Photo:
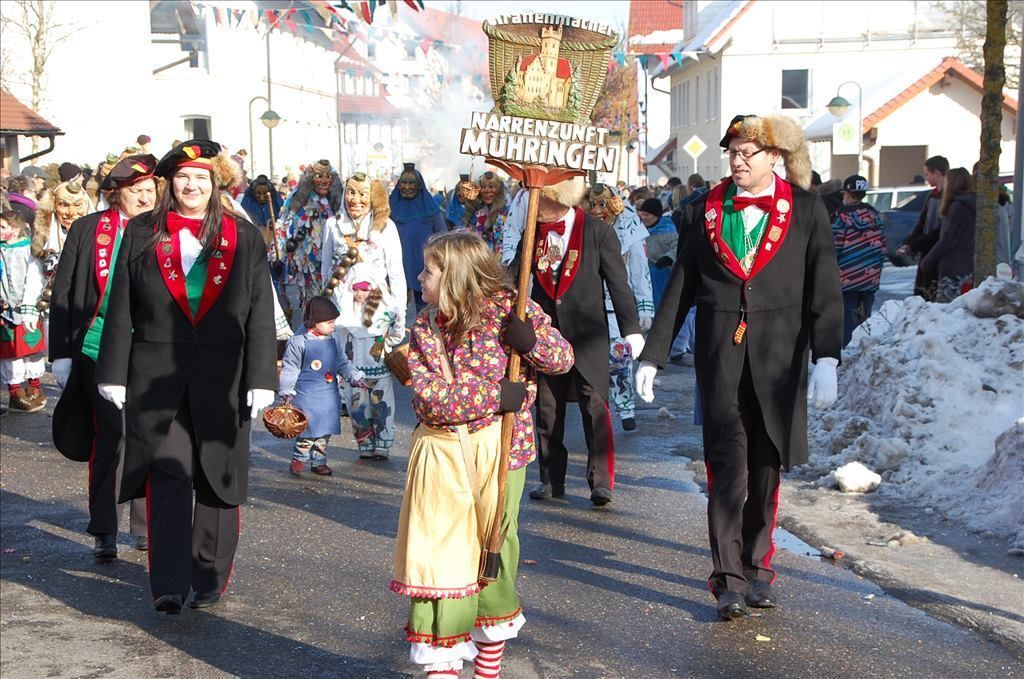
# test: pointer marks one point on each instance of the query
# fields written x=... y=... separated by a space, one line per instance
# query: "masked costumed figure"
x=417 y=216
x=465 y=192
x=70 y=201
x=316 y=199
x=364 y=233
x=87 y=427
x=758 y=261
x=487 y=215
x=603 y=203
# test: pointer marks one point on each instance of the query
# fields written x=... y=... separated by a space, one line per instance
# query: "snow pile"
x=852 y=477
x=924 y=392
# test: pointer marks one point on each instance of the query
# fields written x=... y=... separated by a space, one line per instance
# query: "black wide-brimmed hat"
x=129 y=170
x=192 y=153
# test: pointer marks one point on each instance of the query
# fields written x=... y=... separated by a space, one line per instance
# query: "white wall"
x=825 y=38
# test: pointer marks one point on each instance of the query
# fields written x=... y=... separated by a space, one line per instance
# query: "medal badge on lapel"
x=777 y=227
x=102 y=251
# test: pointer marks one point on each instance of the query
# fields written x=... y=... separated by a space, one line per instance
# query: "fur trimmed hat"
x=777 y=132
x=568 y=193
x=318 y=310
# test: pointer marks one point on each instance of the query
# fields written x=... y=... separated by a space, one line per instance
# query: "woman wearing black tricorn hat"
x=189 y=353
x=85 y=426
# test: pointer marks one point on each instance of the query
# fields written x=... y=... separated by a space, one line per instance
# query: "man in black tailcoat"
x=87 y=428
x=575 y=256
x=758 y=262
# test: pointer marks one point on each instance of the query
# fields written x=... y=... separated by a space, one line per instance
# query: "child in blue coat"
x=309 y=380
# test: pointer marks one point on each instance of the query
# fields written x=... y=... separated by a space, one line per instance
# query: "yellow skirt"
x=439 y=543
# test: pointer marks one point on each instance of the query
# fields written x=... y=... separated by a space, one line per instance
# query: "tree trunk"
x=987 y=177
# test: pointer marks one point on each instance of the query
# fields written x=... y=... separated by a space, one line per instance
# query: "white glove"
x=645 y=323
x=30 y=323
x=258 y=399
x=115 y=393
x=645 y=375
x=823 y=387
x=636 y=344
x=61 y=370
x=357 y=378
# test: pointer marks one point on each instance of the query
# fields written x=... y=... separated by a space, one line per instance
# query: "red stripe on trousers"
x=771 y=533
x=231 y=568
x=611 y=446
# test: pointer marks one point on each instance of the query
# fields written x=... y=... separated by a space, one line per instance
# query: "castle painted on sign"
x=545 y=79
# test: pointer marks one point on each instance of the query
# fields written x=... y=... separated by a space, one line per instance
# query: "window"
x=795 y=88
x=707 y=99
x=197 y=127
x=696 y=101
x=410 y=49
x=371 y=50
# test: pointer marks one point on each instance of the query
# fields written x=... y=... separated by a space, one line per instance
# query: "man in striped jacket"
x=860 y=250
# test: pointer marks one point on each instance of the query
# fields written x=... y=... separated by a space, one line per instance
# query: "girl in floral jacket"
x=457 y=356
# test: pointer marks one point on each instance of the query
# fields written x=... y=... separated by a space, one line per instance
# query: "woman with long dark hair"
x=188 y=351
x=952 y=257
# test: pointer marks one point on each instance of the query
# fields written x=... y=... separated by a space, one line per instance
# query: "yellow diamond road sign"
x=695 y=147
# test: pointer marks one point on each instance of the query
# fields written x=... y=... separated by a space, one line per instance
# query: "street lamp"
x=252 y=150
x=270 y=119
x=838 y=107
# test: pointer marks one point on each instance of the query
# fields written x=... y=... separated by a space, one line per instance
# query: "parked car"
x=900 y=207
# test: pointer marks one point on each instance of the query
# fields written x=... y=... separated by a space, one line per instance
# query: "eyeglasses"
x=745 y=155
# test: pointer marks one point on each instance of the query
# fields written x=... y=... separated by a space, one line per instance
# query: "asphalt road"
x=613 y=592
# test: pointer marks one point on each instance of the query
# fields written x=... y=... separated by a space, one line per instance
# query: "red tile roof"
x=950 y=66
x=350 y=59
x=367 y=106
x=648 y=16
x=563 y=71
x=16 y=118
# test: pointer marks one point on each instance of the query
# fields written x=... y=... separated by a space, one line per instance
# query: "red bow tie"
x=547 y=227
x=763 y=203
x=176 y=223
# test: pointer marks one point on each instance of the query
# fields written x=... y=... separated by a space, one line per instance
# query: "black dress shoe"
x=760 y=595
x=628 y=424
x=105 y=548
x=600 y=496
x=731 y=606
x=203 y=599
x=546 y=491
x=170 y=604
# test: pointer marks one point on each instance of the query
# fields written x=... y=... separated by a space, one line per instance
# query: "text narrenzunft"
x=529 y=141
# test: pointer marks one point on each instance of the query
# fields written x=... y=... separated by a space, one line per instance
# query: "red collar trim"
x=104 y=238
x=779 y=219
x=570 y=264
x=218 y=269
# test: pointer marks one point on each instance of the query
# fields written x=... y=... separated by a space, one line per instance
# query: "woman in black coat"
x=951 y=260
x=189 y=352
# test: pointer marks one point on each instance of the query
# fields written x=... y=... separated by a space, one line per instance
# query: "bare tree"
x=34 y=21
x=970 y=18
x=987 y=177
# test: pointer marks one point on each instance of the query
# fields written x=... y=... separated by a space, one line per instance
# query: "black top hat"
x=408 y=167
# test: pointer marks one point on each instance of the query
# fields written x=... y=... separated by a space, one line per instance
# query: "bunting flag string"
x=649 y=60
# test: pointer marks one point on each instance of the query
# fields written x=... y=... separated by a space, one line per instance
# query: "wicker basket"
x=284 y=421
x=397 y=363
x=586 y=50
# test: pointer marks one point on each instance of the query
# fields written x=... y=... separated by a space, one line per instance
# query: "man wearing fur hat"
x=758 y=260
x=316 y=199
x=87 y=427
x=575 y=256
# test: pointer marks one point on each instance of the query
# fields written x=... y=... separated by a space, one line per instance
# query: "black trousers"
x=105 y=464
x=552 y=394
x=188 y=548
x=743 y=493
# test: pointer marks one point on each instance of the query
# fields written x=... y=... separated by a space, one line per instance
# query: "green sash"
x=91 y=343
x=195 y=282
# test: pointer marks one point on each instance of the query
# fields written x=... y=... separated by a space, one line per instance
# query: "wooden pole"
x=497 y=537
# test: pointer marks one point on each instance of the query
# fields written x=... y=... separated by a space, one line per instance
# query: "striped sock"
x=487 y=664
x=34 y=382
x=442 y=674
